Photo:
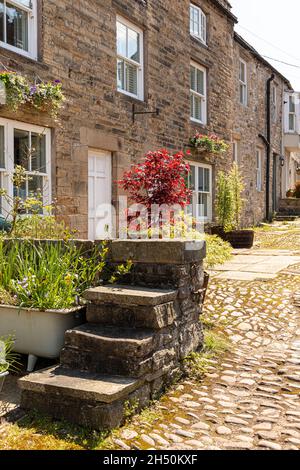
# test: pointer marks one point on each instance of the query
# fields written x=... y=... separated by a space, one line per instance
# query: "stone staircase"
x=130 y=348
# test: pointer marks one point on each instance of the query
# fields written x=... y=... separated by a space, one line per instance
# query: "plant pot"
x=2 y=379
x=37 y=333
x=240 y=239
x=219 y=231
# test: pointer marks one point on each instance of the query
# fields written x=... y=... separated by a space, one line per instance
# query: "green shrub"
x=229 y=199
x=218 y=251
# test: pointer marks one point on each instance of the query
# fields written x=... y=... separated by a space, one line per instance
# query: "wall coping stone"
x=157 y=251
x=124 y=295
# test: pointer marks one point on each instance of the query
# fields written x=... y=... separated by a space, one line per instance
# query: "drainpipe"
x=267 y=142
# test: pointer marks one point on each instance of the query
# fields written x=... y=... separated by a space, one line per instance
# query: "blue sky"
x=273 y=28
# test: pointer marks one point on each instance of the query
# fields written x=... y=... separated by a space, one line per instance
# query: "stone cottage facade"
x=250 y=130
x=117 y=58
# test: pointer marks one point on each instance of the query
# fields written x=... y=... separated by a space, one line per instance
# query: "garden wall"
x=135 y=338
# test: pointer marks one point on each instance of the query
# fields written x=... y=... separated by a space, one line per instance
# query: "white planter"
x=2 y=378
x=37 y=333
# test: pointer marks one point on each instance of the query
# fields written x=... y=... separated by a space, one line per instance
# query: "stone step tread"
x=79 y=384
x=129 y=295
x=113 y=333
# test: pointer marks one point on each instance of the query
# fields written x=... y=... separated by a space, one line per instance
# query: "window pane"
x=200 y=179
x=35 y=186
x=38 y=152
x=206 y=180
x=121 y=39
x=242 y=94
x=292 y=104
x=192 y=178
x=291 y=122
x=197 y=108
x=200 y=82
x=121 y=74
x=242 y=72
x=131 y=78
x=21 y=192
x=16 y=27
x=35 y=191
x=133 y=45
x=2 y=154
x=26 y=3
x=1 y=20
x=21 y=148
x=193 y=78
x=203 y=205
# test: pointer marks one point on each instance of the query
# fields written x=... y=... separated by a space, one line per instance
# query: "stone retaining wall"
x=136 y=336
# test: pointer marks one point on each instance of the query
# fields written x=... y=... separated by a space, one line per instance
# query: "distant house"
x=291 y=173
x=119 y=57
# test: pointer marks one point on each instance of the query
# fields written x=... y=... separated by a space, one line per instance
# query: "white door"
x=99 y=194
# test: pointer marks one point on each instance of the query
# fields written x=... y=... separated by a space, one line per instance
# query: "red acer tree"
x=159 y=179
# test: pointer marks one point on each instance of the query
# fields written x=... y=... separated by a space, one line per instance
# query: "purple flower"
x=33 y=90
x=57 y=81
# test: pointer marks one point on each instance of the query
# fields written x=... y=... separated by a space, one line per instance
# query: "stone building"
x=291 y=173
x=259 y=88
x=116 y=58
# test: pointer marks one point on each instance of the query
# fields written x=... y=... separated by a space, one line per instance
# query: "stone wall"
x=78 y=46
x=135 y=336
x=250 y=121
x=289 y=206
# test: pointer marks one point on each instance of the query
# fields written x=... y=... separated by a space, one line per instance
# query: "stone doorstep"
x=128 y=295
x=111 y=340
x=78 y=384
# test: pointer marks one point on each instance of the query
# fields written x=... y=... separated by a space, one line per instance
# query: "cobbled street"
x=250 y=398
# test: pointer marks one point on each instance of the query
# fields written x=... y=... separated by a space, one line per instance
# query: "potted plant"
x=229 y=208
x=209 y=143
x=40 y=291
x=8 y=359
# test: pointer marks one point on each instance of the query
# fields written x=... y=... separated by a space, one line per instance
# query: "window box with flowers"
x=209 y=144
x=17 y=91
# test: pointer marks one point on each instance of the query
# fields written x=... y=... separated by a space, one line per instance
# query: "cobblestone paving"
x=250 y=397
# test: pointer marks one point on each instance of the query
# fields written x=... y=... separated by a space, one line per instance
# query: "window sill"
x=199 y=41
x=130 y=98
x=17 y=55
x=199 y=123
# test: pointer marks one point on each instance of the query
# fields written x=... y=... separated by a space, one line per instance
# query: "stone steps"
x=131 y=307
x=74 y=383
x=286 y=218
x=129 y=295
x=134 y=341
x=94 y=400
x=114 y=350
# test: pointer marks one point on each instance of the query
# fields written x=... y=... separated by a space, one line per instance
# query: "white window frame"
x=9 y=127
x=198 y=29
x=258 y=165
x=139 y=65
x=243 y=84
x=199 y=95
x=196 y=192
x=235 y=151
x=32 y=30
x=292 y=113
